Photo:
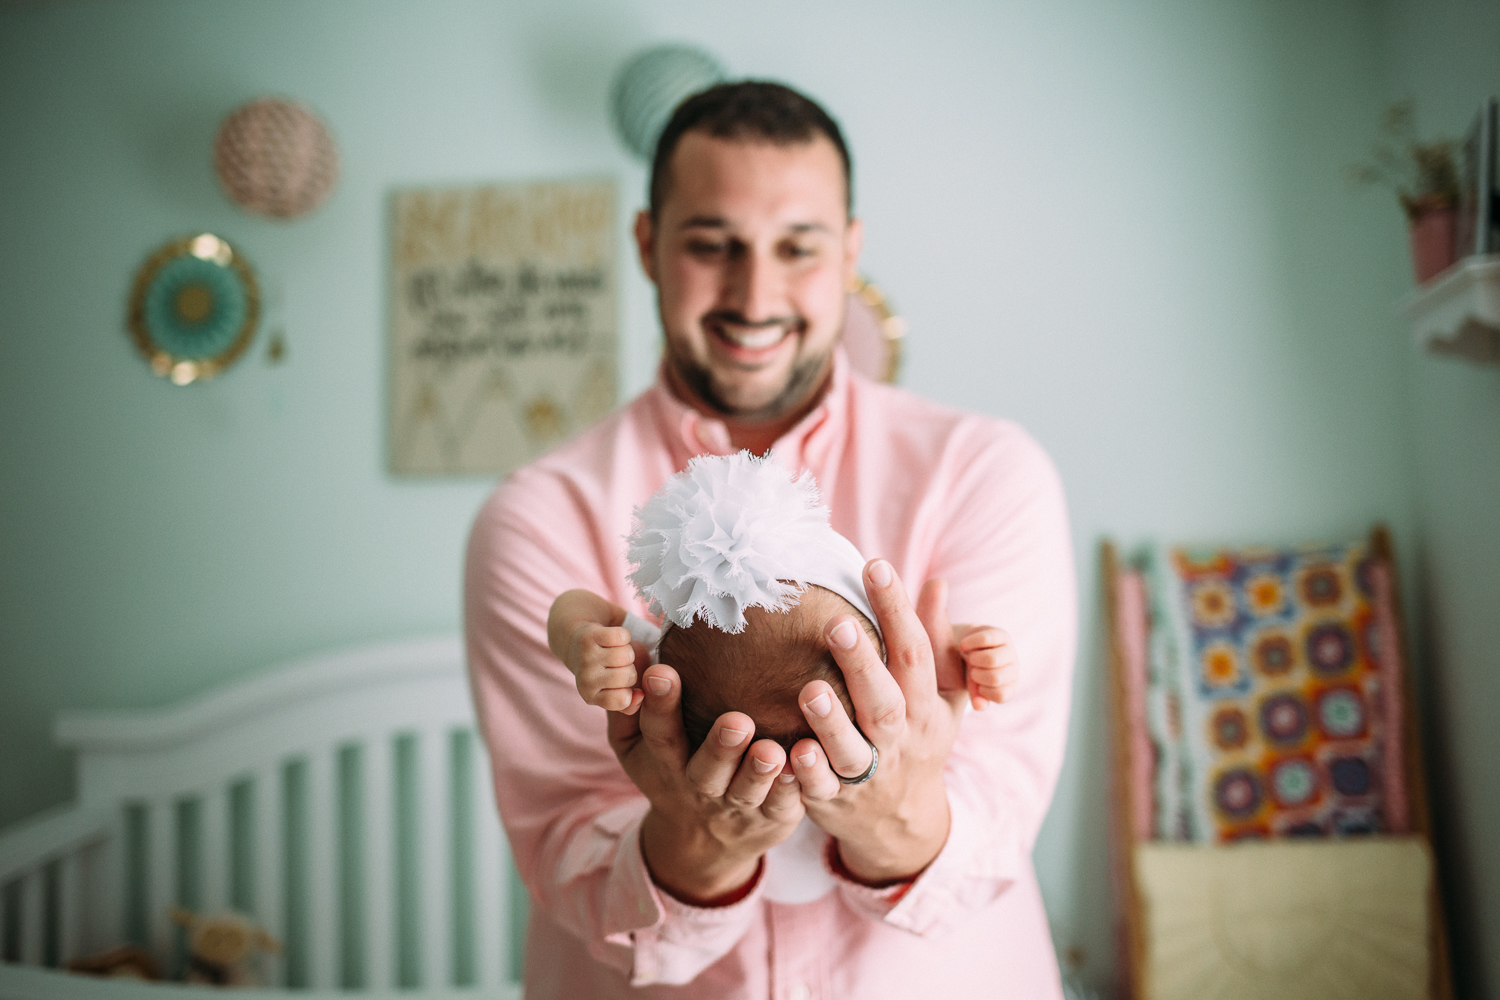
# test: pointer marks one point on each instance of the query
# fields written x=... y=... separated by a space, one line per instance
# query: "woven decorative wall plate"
x=194 y=308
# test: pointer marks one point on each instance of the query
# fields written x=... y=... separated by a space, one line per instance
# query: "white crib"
x=342 y=801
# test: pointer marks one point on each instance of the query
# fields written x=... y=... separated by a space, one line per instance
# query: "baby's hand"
x=603 y=662
x=991 y=668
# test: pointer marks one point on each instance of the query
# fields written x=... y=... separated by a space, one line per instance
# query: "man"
x=648 y=869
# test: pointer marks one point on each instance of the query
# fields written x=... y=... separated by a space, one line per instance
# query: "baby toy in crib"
x=221 y=948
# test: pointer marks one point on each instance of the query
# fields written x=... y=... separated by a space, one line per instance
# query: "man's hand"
x=891 y=827
x=712 y=816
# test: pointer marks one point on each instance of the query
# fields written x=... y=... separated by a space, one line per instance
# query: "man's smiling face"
x=751 y=252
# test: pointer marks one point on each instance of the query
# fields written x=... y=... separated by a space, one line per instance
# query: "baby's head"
x=738 y=556
x=761 y=670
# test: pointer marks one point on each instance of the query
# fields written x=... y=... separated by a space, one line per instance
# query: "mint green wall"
x=1121 y=224
x=1447 y=57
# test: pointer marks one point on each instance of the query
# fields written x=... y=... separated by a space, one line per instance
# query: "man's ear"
x=645 y=243
x=854 y=241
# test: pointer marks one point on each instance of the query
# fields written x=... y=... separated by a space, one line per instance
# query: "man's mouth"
x=750 y=343
x=753 y=340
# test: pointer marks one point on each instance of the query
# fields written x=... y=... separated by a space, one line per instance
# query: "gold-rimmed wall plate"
x=873 y=333
x=194 y=308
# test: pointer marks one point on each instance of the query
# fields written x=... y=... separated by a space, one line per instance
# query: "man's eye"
x=796 y=251
x=704 y=248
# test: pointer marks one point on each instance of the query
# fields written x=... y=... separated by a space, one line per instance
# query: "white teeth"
x=758 y=341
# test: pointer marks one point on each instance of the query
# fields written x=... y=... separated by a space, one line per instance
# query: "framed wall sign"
x=503 y=323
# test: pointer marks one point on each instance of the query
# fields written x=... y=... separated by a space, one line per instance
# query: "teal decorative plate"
x=194 y=308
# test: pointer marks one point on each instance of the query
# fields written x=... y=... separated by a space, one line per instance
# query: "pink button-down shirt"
x=935 y=491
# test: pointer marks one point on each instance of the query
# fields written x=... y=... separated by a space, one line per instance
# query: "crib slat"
x=213 y=845
x=32 y=917
x=104 y=890
x=322 y=868
x=69 y=908
x=491 y=940
x=161 y=874
x=379 y=820
x=269 y=865
x=435 y=849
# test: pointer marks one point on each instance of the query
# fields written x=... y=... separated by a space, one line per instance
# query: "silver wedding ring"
x=869 y=771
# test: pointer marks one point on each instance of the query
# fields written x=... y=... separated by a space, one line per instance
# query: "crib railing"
x=343 y=802
x=50 y=867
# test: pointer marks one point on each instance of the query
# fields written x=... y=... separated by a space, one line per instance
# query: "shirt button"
x=801 y=992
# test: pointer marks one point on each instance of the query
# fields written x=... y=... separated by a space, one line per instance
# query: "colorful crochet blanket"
x=1274 y=700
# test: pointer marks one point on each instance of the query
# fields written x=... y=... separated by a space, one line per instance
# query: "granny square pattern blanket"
x=1271 y=714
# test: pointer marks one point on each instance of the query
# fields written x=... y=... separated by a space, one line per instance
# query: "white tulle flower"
x=736 y=532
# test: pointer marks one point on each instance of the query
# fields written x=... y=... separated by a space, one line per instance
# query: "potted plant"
x=1425 y=179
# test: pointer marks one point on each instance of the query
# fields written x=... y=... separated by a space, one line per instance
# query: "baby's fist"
x=991 y=666
x=603 y=663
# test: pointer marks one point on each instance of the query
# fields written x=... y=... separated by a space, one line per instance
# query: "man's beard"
x=800 y=384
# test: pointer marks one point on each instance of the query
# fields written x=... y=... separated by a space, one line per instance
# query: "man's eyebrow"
x=719 y=222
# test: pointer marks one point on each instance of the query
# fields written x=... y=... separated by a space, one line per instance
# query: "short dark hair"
x=753 y=110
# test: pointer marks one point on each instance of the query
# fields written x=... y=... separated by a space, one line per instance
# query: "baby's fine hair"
x=761 y=670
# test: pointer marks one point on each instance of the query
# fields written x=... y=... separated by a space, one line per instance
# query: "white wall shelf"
x=1458 y=312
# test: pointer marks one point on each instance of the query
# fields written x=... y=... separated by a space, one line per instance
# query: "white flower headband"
x=736 y=532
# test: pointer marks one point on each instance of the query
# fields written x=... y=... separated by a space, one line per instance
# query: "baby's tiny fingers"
x=619 y=699
x=999 y=693
x=982 y=636
x=591 y=682
x=608 y=657
x=610 y=635
x=997 y=674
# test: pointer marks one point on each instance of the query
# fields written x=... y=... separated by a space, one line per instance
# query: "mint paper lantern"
x=649 y=87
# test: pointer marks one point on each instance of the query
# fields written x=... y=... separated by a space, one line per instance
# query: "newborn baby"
x=759 y=671
x=740 y=562
x=738 y=558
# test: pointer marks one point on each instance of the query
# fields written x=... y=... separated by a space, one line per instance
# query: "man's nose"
x=756 y=289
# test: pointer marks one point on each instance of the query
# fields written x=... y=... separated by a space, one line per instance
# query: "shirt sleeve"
x=572 y=815
x=1004 y=546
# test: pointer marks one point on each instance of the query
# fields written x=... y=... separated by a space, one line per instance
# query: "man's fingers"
x=717 y=760
x=908 y=651
x=848 y=751
x=756 y=775
x=878 y=702
x=932 y=611
x=815 y=778
x=661 y=715
x=784 y=801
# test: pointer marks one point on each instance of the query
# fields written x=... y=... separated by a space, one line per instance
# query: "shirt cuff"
x=976 y=865
x=682 y=940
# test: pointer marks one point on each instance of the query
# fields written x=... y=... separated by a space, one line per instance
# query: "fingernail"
x=880 y=573
x=762 y=767
x=732 y=737
x=659 y=685
x=843 y=636
x=787 y=779
x=821 y=705
x=808 y=759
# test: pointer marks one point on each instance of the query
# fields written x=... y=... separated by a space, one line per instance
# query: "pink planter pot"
x=1433 y=242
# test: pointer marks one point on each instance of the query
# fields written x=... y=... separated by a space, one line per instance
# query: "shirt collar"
x=689 y=433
